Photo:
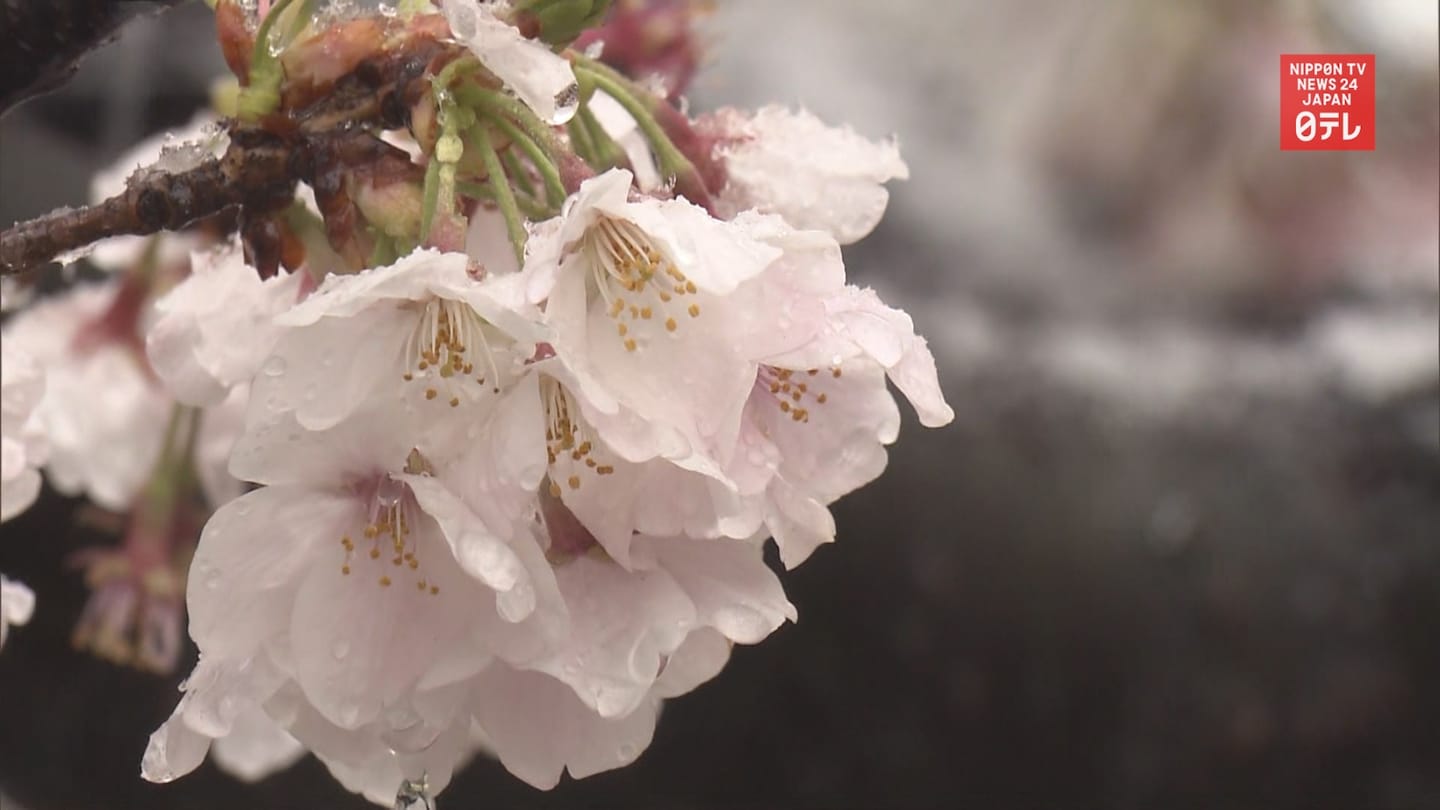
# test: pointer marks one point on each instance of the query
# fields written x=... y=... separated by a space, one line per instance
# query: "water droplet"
x=340 y=649
x=626 y=752
x=567 y=103
x=406 y=732
x=274 y=367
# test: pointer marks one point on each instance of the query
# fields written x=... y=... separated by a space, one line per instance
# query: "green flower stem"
x=543 y=162
x=528 y=206
x=262 y=95
x=518 y=175
x=608 y=153
x=672 y=162
x=502 y=106
x=457 y=67
x=581 y=140
x=430 y=197
x=173 y=474
x=500 y=186
x=384 y=251
x=439 y=188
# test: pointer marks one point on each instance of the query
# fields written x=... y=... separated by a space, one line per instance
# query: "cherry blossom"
x=213 y=330
x=504 y=500
x=369 y=571
x=793 y=164
x=103 y=415
x=17 y=603
x=22 y=446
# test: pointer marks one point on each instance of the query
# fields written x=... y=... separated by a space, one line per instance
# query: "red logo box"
x=1327 y=101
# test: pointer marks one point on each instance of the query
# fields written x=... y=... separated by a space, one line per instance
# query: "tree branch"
x=259 y=170
x=254 y=170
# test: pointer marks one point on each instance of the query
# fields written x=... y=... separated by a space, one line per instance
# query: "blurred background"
x=1181 y=546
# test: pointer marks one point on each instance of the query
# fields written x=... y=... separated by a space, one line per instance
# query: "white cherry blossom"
x=634 y=292
x=792 y=164
x=22 y=445
x=17 y=603
x=819 y=417
x=213 y=330
x=420 y=330
x=636 y=638
x=363 y=570
x=102 y=414
x=642 y=437
x=256 y=747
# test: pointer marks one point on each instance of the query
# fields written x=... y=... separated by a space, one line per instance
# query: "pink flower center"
x=642 y=288
x=387 y=540
x=449 y=340
x=792 y=391
x=570 y=451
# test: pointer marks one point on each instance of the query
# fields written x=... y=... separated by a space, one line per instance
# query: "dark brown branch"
x=255 y=168
x=317 y=143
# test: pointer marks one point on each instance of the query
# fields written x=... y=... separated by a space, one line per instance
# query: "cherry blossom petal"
x=815 y=176
x=256 y=747
x=622 y=625
x=538 y=76
x=700 y=658
x=17 y=604
x=539 y=728
x=479 y=551
x=216 y=327
x=727 y=580
x=251 y=555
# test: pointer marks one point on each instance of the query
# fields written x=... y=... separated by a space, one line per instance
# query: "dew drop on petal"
x=567 y=103
x=274 y=366
x=340 y=649
x=626 y=752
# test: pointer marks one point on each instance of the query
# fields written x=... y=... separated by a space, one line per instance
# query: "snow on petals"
x=537 y=75
x=814 y=175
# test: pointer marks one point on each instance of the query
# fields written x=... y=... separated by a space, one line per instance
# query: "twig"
x=255 y=169
x=258 y=172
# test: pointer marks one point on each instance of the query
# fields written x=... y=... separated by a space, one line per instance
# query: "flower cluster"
x=504 y=499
